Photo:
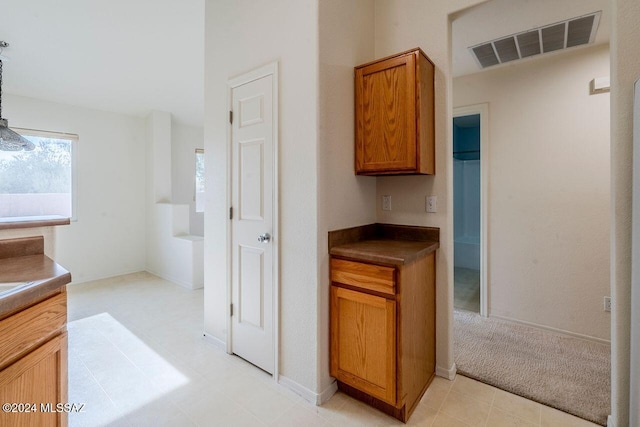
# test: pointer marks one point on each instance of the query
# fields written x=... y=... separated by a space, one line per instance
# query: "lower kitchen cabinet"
x=383 y=331
x=33 y=361
x=364 y=342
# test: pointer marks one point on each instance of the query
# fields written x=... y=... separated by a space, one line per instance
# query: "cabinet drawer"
x=367 y=276
x=31 y=327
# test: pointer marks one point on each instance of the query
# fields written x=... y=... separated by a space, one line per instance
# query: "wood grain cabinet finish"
x=33 y=362
x=365 y=342
x=394 y=111
x=383 y=335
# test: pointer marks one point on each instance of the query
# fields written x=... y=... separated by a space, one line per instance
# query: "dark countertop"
x=396 y=252
x=33 y=222
x=384 y=243
x=35 y=276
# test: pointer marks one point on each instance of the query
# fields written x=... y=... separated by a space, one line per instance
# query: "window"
x=42 y=181
x=199 y=197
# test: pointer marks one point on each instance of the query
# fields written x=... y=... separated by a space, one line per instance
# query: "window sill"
x=10 y=223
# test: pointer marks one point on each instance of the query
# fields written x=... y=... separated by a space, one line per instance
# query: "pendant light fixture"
x=10 y=140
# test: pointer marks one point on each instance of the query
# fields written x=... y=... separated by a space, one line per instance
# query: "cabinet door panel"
x=39 y=377
x=386 y=116
x=363 y=341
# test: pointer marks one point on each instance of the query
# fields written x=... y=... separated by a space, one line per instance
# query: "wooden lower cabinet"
x=383 y=340
x=365 y=340
x=35 y=373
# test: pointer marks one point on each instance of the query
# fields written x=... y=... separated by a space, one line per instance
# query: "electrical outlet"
x=386 y=203
x=607 y=303
x=431 y=204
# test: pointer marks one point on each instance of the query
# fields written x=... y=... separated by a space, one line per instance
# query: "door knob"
x=264 y=238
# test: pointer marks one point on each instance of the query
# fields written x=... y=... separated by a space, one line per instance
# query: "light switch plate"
x=431 y=204
x=386 y=203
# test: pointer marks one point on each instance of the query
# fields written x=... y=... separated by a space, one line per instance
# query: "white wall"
x=401 y=25
x=241 y=36
x=172 y=253
x=548 y=203
x=625 y=69
x=184 y=141
x=108 y=237
x=344 y=200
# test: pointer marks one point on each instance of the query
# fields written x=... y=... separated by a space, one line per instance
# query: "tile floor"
x=137 y=358
x=466 y=289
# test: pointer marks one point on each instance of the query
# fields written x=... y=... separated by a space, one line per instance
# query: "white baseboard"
x=308 y=395
x=215 y=341
x=610 y=422
x=174 y=280
x=449 y=373
x=108 y=276
x=552 y=329
x=328 y=392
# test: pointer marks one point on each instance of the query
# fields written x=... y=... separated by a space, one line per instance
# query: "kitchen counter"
x=395 y=252
x=33 y=222
x=382 y=311
x=33 y=332
x=384 y=243
x=27 y=275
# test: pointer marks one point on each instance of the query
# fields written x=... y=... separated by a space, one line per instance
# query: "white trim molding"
x=108 y=276
x=214 y=341
x=327 y=393
x=551 y=329
x=309 y=395
x=634 y=327
x=449 y=373
x=174 y=280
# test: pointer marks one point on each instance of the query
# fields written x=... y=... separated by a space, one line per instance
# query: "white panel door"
x=252 y=171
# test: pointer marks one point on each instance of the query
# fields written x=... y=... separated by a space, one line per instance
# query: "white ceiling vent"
x=561 y=35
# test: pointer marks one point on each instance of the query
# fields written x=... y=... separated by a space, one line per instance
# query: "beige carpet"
x=567 y=373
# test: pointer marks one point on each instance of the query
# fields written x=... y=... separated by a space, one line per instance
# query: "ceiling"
x=136 y=56
x=498 y=18
x=118 y=55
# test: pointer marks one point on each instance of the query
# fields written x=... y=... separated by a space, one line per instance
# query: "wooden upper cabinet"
x=394 y=110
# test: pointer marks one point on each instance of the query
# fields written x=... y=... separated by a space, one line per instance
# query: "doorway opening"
x=469 y=184
x=466 y=212
x=549 y=197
